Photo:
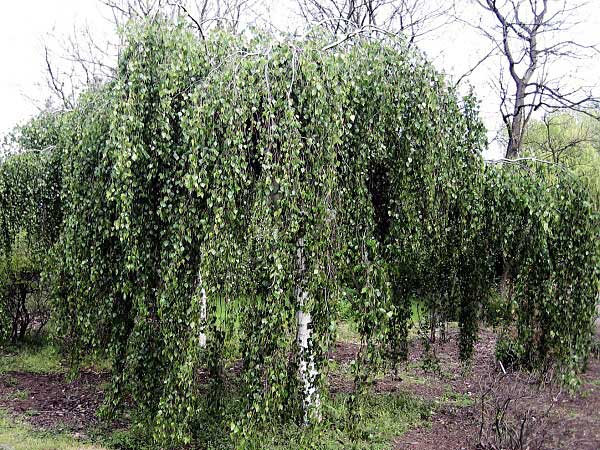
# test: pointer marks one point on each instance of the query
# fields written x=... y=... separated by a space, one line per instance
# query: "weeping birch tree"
x=256 y=179
x=233 y=191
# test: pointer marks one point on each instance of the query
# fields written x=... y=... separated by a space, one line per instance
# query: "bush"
x=30 y=219
x=543 y=231
x=498 y=310
x=22 y=301
x=510 y=353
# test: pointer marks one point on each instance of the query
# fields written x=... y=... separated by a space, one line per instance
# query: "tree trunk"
x=21 y=317
x=515 y=135
x=311 y=401
x=202 y=337
x=506 y=283
x=514 y=141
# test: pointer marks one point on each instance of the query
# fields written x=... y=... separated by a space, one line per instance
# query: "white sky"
x=26 y=24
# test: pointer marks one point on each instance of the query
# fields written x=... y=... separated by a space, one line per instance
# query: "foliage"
x=545 y=233
x=18 y=277
x=30 y=220
x=570 y=139
x=385 y=417
x=217 y=165
x=510 y=352
x=498 y=310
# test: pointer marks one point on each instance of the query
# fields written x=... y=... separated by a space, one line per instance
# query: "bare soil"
x=555 y=418
x=52 y=401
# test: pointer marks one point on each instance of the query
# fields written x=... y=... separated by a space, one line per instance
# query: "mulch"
x=53 y=401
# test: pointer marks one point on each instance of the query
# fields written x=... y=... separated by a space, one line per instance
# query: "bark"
x=202 y=318
x=311 y=401
x=21 y=316
x=506 y=283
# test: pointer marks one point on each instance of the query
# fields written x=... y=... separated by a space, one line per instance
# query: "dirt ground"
x=51 y=401
x=554 y=418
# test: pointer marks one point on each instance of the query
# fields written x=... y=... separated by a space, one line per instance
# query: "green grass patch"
x=30 y=358
x=383 y=418
x=19 y=394
x=347 y=328
x=410 y=378
x=19 y=436
x=458 y=399
x=41 y=356
x=347 y=331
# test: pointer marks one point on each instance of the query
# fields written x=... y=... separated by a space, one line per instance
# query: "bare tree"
x=123 y=10
x=414 y=18
x=76 y=62
x=531 y=36
x=202 y=14
x=84 y=58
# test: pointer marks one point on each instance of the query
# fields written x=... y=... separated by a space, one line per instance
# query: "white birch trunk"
x=202 y=318
x=311 y=401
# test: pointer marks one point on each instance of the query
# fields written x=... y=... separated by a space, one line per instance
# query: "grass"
x=20 y=394
x=384 y=417
x=19 y=436
x=347 y=331
x=457 y=399
x=30 y=358
x=42 y=357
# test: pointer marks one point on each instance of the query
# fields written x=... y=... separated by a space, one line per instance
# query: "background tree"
x=30 y=220
x=571 y=139
x=531 y=36
x=414 y=18
x=87 y=58
x=561 y=137
x=203 y=14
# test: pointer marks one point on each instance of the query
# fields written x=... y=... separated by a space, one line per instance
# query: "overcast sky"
x=26 y=24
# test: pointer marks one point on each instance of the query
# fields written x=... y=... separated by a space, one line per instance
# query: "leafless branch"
x=82 y=59
x=529 y=34
x=55 y=85
x=413 y=18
